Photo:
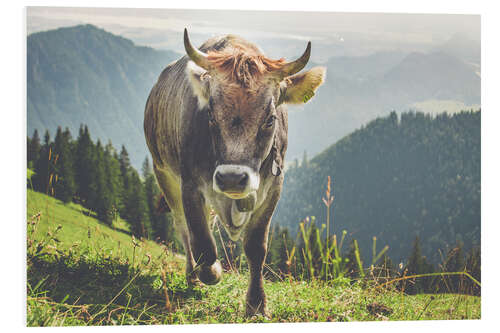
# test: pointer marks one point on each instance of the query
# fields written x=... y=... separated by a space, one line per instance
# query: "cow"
x=216 y=126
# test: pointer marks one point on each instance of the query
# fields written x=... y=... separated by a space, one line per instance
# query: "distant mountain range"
x=462 y=47
x=84 y=74
x=357 y=89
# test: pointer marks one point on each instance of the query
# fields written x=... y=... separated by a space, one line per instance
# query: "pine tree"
x=100 y=199
x=64 y=184
x=33 y=150
x=136 y=208
x=44 y=167
x=124 y=162
x=113 y=178
x=158 y=224
x=84 y=165
x=124 y=166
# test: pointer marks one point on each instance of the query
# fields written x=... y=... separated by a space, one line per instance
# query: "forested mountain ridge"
x=85 y=75
x=396 y=178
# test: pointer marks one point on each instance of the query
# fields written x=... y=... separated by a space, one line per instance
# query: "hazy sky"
x=160 y=28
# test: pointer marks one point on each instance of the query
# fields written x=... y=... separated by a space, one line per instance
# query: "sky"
x=342 y=33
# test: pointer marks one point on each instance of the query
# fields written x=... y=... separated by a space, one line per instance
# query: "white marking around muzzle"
x=253 y=179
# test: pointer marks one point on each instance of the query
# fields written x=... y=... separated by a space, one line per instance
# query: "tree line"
x=99 y=178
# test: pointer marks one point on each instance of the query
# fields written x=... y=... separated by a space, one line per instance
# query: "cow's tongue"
x=247 y=204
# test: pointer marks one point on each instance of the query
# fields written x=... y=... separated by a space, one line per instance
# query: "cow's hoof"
x=256 y=303
x=211 y=274
x=256 y=310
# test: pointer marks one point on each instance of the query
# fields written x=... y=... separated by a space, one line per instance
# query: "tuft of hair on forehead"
x=243 y=64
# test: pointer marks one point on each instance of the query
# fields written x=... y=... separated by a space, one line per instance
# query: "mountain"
x=358 y=89
x=463 y=47
x=435 y=75
x=84 y=74
x=396 y=178
x=364 y=67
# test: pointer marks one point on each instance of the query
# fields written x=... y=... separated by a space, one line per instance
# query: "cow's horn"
x=198 y=57
x=296 y=66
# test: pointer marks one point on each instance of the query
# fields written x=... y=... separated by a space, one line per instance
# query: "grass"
x=82 y=272
x=300 y=301
x=81 y=229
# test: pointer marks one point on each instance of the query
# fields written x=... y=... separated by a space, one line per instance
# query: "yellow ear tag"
x=307 y=97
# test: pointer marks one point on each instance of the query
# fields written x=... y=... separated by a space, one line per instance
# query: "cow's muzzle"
x=235 y=181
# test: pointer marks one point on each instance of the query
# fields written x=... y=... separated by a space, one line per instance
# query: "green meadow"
x=81 y=272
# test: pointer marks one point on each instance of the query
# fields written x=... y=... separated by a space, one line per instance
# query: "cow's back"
x=169 y=100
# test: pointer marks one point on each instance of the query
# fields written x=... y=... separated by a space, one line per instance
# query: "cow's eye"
x=270 y=121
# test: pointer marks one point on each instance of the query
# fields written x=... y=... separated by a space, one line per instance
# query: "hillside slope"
x=81 y=230
x=396 y=178
x=82 y=273
x=84 y=74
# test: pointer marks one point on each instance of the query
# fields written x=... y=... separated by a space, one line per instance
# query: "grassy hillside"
x=81 y=272
x=80 y=229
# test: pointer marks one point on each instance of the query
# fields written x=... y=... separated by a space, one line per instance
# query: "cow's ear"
x=199 y=79
x=300 y=88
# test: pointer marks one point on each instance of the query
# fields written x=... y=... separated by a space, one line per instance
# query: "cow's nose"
x=235 y=181
x=231 y=181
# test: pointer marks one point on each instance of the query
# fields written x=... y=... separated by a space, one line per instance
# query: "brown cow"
x=216 y=126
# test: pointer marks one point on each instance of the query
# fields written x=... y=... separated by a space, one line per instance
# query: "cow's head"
x=241 y=90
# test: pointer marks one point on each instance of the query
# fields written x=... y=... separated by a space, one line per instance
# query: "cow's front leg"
x=208 y=268
x=255 y=245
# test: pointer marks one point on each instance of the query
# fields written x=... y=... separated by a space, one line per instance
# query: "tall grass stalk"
x=328 y=202
x=307 y=251
x=358 y=259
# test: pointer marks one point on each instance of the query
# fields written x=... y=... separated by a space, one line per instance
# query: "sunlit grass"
x=80 y=228
x=82 y=272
